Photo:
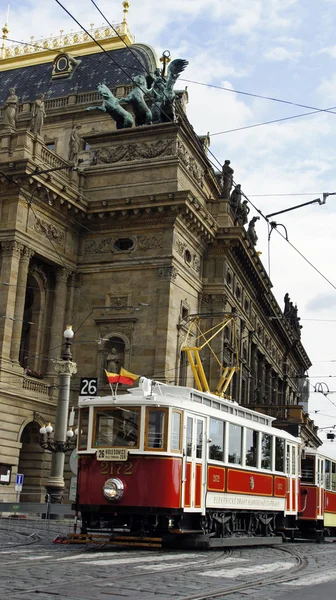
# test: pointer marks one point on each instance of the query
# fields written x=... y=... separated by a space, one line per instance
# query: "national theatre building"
x=114 y=220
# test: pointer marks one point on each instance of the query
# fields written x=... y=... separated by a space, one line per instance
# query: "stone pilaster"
x=72 y=284
x=11 y=253
x=58 y=316
x=26 y=255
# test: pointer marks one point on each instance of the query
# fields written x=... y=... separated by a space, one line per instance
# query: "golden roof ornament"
x=75 y=44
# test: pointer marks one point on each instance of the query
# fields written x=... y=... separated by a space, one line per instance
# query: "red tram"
x=171 y=463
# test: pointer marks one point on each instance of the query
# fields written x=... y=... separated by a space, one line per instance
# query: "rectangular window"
x=333 y=477
x=251 y=448
x=176 y=431
x=83 y=428
x=156 y=429
x=307 y=470
x=199 y=441
x=216 y=445
x=116 y=428
x=5 y=474
x=266 y=451
x=235 y=444
x=279 y=454
x=189 y=435
x=293 y=460
x=287 y=459
x=327 y=474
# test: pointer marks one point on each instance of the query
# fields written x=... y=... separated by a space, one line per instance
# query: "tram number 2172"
x=116 y=468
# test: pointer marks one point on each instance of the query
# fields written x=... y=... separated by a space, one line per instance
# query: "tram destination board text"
x=112 y=454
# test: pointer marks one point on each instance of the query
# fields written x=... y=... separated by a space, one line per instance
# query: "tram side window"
x=189 y=435
x=307 y=470
x=199 y=441
x=216 y=447
x=83 y=428
x=279 y=454
x=293 y=460
x=235 y=444
x=333 y=477
x=117 y=428
x=176 y=431
x=251 y=448
x=327 y=474
x=266 y=451
x=156 y=429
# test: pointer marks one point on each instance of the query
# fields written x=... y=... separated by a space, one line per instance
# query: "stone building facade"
x=124 y=247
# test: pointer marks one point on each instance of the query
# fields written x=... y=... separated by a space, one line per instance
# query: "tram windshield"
x=116 y=427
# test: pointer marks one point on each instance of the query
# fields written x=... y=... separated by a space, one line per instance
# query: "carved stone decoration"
x=190 y=163
x=132 y=152
x=63 y=367
x=27 y=253
x=147 y=242
x=168 y=273
x=10 y=247
x=98 y=246
x=49 y=231
x=196 y=264
x=180 y=246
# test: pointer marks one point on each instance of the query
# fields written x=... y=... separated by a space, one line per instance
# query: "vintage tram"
x=317 y=506
x=173 y=464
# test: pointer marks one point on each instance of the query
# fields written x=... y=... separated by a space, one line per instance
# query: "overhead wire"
x=219 y=163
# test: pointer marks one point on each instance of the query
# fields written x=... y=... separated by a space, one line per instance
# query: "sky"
x=284 y=49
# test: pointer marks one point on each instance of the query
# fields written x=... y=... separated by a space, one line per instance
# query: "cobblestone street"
x=33 y=566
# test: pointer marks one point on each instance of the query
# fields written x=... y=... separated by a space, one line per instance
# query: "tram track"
x=290 y=573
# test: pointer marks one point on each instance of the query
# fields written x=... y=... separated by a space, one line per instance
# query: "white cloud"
x=280 y=53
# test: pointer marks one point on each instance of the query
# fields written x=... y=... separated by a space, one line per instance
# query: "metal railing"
x=35 y=518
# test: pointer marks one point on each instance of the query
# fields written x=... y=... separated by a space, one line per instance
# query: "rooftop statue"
x=143 y=115
x=163 y=93
x=38 y=115
x=242 y=215
x=227 y=175
x=251 y=232
x=10 y=110
x=112 y=107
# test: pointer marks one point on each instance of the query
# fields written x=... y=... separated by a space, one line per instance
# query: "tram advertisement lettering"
x=116 y=468
x=112 y=454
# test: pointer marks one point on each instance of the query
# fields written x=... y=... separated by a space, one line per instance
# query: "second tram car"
x=171 y=463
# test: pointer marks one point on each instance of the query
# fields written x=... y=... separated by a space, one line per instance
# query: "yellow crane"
x=202 y=340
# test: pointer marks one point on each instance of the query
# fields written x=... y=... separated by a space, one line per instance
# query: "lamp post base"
x=55 y=490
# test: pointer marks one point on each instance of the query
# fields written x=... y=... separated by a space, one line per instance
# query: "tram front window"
x=156 y=429
x=117 y=428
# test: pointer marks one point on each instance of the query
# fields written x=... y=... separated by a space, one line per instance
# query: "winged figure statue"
x=162 y=91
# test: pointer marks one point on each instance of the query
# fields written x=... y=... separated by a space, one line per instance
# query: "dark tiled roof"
x=93 y=69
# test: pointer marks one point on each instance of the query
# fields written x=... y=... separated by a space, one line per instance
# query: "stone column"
x=275 y=388
x=11 y=252
x=58 y=316
x=261 y=379
x=26 y=255
x=268 y=384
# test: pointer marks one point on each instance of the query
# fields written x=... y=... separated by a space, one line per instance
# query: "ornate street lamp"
x=65 y=439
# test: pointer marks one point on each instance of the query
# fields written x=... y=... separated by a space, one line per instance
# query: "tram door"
x=320 y=487
x=194 y=471
x=292 y=478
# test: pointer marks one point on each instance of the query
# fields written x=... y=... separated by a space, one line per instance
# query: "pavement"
x=33 y=567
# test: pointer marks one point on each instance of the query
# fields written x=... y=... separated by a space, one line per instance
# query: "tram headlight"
x=113 y=489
